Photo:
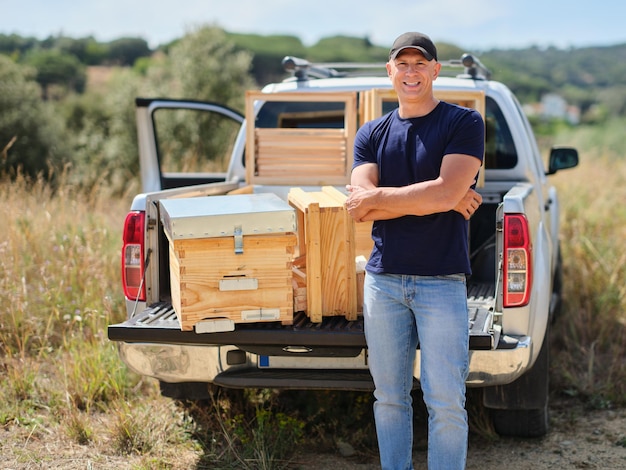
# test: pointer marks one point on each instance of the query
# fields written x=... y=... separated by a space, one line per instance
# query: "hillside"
x=592 y=78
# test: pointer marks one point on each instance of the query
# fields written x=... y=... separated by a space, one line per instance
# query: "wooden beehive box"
x=327 y=242
x=230 y=259
x=372 y=106
x=302 y=156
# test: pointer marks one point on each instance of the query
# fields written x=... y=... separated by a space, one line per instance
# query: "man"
x=413 y=173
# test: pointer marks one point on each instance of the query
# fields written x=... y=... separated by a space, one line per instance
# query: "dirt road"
x=579 y=439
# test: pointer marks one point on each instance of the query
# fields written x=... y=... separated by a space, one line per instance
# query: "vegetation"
x=592 y=78
x=95 y=136
x=95 y=132
x=88 y=51
x=68 y=166
x=591 y=335
x=60 y=374
x=30 y=136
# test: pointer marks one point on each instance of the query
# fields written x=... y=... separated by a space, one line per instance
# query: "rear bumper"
x=176 y=363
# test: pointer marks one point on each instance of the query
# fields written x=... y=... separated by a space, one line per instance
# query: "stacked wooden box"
x=230 y=259
x=329 y=241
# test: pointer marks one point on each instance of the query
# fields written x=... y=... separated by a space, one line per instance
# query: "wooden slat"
x=285 y=171
x=314 y=263
x=296 y=155
x=322 y=134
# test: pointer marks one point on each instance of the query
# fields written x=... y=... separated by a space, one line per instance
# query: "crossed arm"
x=450 y=191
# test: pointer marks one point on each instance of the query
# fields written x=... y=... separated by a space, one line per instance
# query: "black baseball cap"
x=412 y=40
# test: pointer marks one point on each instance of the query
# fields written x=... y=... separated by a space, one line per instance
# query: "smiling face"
x=412 y=77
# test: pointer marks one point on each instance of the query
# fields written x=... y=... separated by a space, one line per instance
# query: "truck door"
x=184 y=143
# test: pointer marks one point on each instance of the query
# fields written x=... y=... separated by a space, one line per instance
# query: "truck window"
x=298 y=114
x=500 y=153
x=193 y=141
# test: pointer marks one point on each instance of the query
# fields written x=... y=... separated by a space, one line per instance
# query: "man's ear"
x=437 y=70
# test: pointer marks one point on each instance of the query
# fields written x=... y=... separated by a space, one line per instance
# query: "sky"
x=474 y=25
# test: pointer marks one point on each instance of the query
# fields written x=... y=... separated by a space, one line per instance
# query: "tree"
x=126 y=51
x=102 y=132
x=31 y=138
x=57 y=68
x=207 y=66
x=87 y=50
x=268 y=54
x=15 y=45
x=347 y=49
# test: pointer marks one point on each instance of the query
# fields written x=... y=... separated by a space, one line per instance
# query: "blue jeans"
x=400 y=312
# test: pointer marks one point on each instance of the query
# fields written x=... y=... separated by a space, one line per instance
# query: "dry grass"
x=62 y=381
x=591 y=335
x=63 y=386
x=60 y=376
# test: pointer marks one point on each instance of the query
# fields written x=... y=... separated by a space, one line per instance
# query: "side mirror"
x=562 y=158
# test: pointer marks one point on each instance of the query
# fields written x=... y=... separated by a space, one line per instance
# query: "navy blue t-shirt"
x=409 y=151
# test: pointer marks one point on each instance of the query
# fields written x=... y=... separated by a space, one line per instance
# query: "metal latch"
x=260 y=314
x=238 y=283
x=238 y=234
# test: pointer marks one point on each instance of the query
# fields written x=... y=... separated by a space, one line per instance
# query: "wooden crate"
x=217 y=281
x=327 y=248
x=209 y=281
x=372 y=107
x=305 y=156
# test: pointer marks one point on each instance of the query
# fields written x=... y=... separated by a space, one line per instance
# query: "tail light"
x=518 y=261
x=133 y=256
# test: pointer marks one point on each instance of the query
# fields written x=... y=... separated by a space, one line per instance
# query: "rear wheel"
x=520 y=408
x=521 y=423
x=187 y=390
x=557 y=289
x=200 y=391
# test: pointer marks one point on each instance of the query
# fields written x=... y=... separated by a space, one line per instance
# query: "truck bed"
x=334 y=336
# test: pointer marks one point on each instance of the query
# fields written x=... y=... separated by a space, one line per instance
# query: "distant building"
x=553 y=106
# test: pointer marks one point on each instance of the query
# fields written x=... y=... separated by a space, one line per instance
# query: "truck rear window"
x=301 y=114
x=500 y=152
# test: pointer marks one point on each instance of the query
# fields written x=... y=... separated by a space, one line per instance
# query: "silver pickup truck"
x=191 y=149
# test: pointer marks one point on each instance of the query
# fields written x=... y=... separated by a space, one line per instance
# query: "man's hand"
x=468 y=205
x=355 y=202
x=360 y=210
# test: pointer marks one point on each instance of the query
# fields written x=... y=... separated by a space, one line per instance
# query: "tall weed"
x=58 y=293
x=59 y=290
x=591 y=336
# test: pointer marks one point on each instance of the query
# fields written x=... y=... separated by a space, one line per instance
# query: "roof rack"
x=474 y=68
x=304 y=70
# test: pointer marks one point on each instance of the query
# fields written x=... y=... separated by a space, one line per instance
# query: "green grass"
x=59 y=374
